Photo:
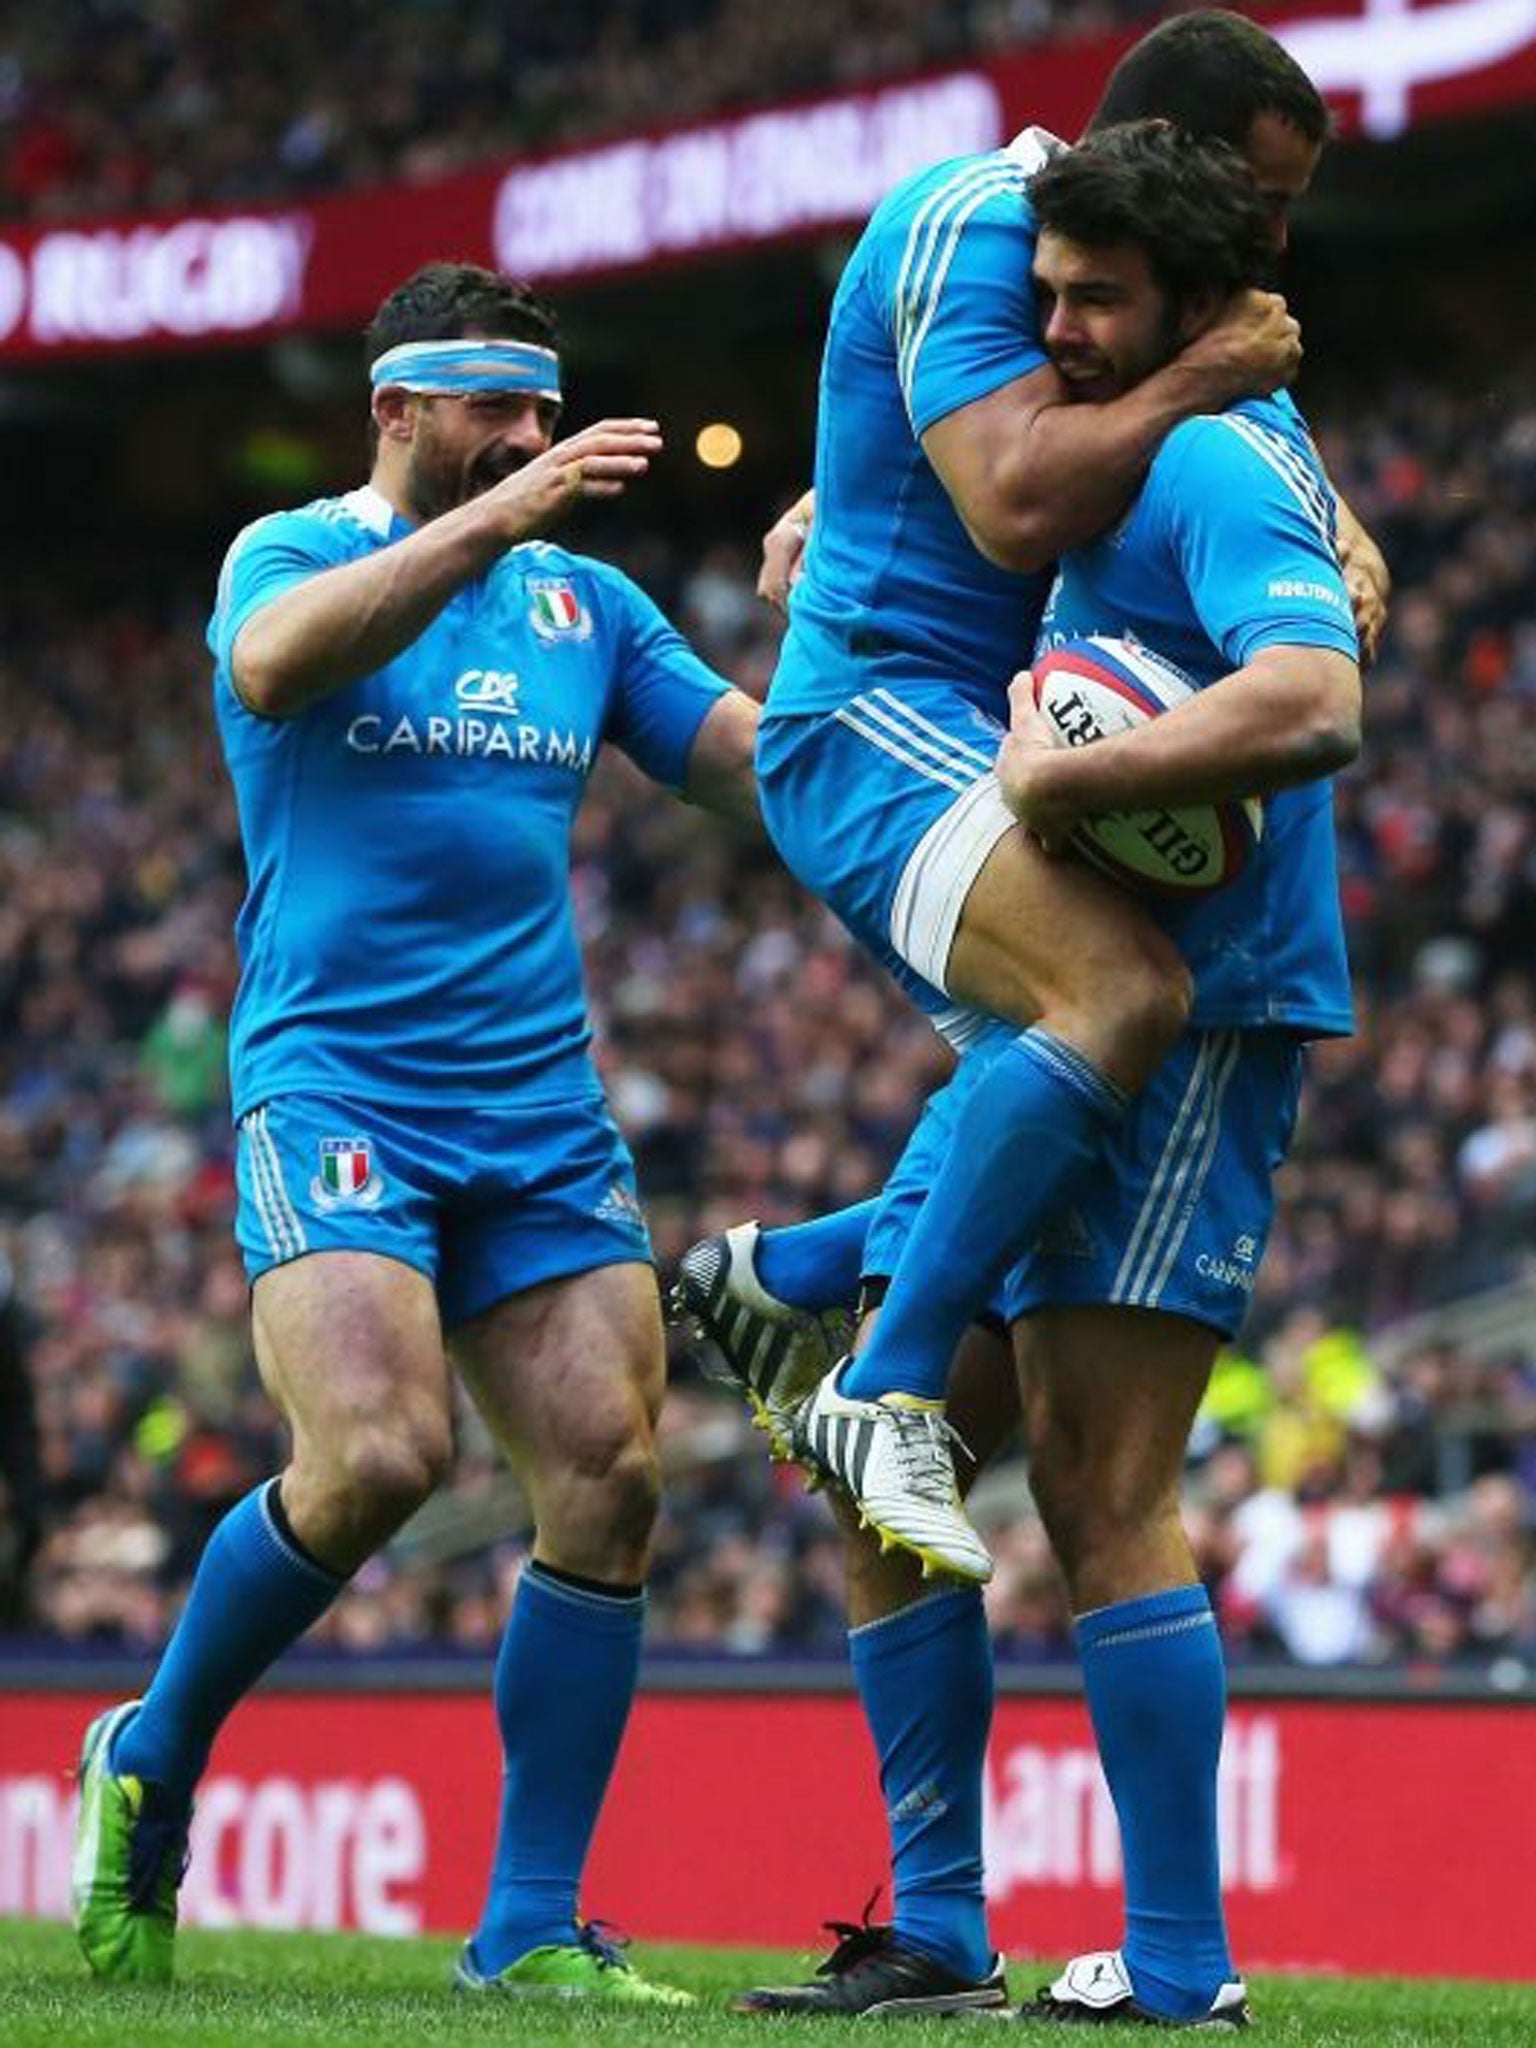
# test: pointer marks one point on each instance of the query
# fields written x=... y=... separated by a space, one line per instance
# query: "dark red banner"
x=631 y=204
x=1362 y=1837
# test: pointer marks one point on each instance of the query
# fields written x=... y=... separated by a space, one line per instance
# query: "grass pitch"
x=272 y=1990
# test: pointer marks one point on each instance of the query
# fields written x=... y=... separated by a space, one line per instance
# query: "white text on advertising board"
x=186 y=278
x=268 y=1852
x=743 y=181
x=1049 y=1819
x=1390 y=47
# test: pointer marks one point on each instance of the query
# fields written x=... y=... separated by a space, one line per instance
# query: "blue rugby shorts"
x=887 y=809
x=1177 y=1213
x=484 y=1202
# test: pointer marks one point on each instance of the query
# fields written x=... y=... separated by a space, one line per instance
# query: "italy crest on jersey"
x=347 y=1176
x=555 y=612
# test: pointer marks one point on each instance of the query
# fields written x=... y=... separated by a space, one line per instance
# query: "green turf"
x=269 y=1990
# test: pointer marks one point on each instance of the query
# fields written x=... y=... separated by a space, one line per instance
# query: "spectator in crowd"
x=1356 y=1491
x=134 y=107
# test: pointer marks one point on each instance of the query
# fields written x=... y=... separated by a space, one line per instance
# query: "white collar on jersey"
x=372 y=509
x=1034 y=148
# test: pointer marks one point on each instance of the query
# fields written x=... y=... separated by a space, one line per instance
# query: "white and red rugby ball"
x=1088 y=689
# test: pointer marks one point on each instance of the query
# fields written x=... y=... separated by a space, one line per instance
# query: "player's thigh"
x=1043 y=935
x=350 y=1347
x=336 y=1218
x=569 y=1374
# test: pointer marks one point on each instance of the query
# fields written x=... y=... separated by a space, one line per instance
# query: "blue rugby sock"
x=1157 y=1692
x=1033 y=1123
x=925 y=1679
x=816 y=1265
x=564 y=1682
x=255 y=1593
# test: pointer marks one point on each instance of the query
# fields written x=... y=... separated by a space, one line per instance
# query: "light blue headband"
x=445 y=369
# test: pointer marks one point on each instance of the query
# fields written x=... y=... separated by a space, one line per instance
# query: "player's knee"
x=628 y=1495
x=1092 y=1508
x=1127 y=1010
x=385 y=1474
x=1149 y=1002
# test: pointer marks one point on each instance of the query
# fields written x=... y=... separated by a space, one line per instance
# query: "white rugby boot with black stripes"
x=772 y=1353
x=892 y=1459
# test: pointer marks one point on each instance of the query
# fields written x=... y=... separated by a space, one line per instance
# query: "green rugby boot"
x=130 y=1853
x=594 y=1966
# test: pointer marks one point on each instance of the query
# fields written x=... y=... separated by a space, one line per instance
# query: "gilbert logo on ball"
x=1090 y=689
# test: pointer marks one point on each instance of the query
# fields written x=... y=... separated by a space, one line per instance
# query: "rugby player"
x=411 y=690
x=1226 y=563
x=938 y=401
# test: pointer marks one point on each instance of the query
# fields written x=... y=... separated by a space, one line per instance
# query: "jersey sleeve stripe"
x=909 y=275
x=935 y=290
x=918 y=301
x=1305 y=483
x=927 y=223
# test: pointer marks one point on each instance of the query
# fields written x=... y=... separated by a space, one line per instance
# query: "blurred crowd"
x=123 y=105
x=1354 y=1494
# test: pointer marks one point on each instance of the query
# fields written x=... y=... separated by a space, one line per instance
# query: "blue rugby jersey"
x=1229 y=548
x=936 y=309
x=408 y=933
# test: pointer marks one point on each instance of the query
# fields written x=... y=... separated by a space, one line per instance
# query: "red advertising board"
x=638 y=201
x=1393 y=1838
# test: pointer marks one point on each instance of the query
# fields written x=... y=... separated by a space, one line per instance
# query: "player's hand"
x=1025 y=762
x=1368 y=581
x=784 y=552
x=596 y=463
x=1252 y=349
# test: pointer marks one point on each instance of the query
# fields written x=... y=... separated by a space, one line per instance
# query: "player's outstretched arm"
x=322 y=634
x=1367 y=579
x=1032 y=474
x=720 y=771
x=1291 y=715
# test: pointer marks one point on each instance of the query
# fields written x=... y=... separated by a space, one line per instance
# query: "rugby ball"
x=1089 y=689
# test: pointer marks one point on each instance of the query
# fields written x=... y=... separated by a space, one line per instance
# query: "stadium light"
x=718 y=446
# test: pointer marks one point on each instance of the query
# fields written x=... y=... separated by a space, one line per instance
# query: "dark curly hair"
x=1189 y=201
x=447 y=301
x=1214 y=73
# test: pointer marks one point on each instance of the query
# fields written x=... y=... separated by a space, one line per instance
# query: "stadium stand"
x=118 y=109
x=1365 y=1485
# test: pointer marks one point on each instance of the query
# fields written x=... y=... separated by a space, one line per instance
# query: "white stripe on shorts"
x=270 y=1223
x=897 y=710
x=891 y=724
x=1174 y=1194
x=937 y=878
x=285 y=1232
x=901 y=750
